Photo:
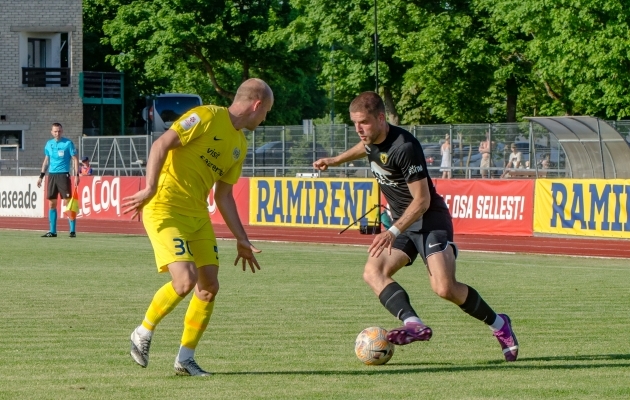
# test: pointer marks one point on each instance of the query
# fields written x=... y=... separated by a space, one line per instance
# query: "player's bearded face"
x=370 y=129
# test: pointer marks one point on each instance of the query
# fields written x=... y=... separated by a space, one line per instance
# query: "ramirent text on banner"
x=331 y=203
x=20 y=197
x=585 y=207
x=497 y=207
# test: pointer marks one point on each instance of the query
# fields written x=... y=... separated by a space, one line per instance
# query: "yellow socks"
x=164 y=301
x=196 y=320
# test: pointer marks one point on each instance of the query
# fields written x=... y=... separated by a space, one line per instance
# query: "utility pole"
x=376 y=45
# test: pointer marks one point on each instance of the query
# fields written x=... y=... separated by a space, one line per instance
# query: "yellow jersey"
x=212 y=150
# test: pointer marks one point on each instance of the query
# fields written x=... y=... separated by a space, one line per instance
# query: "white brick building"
x=41 y=56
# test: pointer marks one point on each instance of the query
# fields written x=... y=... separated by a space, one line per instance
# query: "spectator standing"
x=445 y=151
x=485 y=147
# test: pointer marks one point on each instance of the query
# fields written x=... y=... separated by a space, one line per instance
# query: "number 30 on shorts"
x=179 y=246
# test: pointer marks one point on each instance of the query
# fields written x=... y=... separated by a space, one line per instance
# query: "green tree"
x=577 y=49
x=210 y=47
x=452 y=67
x=344 y=33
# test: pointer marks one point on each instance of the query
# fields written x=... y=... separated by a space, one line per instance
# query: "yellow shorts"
x=177 y=237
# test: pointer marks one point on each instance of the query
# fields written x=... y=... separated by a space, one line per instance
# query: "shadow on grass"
x=523 y=363
x=583 y=357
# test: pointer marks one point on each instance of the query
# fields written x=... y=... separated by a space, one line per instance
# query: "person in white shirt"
x=514 y=161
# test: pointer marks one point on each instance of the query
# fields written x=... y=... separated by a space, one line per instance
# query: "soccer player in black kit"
x=422 y=225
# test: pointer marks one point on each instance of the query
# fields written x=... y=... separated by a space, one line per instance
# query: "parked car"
x=167 y=108
x=272 y=153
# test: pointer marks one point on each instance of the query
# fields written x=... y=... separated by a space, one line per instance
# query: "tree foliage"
x=438 y=62
x=210 y=47
x=577 y=49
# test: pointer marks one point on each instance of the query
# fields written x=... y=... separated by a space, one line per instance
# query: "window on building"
x=45 y=58
x=12 y=137
x=36 y=53
x=64 y=54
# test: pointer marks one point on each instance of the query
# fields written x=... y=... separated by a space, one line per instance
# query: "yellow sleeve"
x=193 y=124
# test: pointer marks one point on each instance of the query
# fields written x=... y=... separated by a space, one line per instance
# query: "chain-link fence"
x=287 y=151
x=291 y=150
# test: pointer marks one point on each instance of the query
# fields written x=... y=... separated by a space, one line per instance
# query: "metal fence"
x=9 y=159
x=116 y=155
x=291 y=150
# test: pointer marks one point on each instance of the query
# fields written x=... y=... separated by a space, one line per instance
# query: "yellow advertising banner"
x=322 y=202
x=585 y=207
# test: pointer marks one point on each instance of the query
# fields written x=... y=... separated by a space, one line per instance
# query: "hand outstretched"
x=246 y=252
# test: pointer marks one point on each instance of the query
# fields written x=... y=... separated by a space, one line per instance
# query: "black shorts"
x=432 y=234
x=59 y=184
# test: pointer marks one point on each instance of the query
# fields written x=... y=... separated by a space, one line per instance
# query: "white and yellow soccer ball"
x=372 y=347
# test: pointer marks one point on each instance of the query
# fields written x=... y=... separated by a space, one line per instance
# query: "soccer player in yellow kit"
x=205 y=147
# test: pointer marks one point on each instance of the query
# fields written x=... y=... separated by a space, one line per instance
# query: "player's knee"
x=371 y=275
x=184 y=286
x=212 y=288
x=444 y=290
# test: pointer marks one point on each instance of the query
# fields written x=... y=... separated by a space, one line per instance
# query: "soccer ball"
x=372 y=346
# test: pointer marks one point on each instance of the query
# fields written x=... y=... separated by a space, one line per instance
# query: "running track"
x=618 y=248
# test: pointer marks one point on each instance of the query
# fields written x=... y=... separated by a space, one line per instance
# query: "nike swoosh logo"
x=216 y=138
x=433 y=245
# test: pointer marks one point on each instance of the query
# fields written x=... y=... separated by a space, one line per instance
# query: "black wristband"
x=42 y=175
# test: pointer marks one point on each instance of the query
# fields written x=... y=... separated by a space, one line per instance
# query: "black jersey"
x=396 y=162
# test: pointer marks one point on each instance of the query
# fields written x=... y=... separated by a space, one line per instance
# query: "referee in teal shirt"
x=59 y=152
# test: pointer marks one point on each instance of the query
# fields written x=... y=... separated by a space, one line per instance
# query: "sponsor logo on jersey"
x=213 y=153
x=212 y=166
x=414 y=169
x=384 y=158
x=192 y=120
x=382 y=176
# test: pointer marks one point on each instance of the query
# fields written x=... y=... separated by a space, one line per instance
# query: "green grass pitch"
x=287 y=331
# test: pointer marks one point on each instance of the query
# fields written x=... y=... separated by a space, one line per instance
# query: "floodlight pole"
x=376 y=45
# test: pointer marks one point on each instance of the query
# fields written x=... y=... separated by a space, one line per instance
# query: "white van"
x=167 y=108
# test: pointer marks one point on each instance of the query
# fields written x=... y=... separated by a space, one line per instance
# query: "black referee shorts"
x=59 y=184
